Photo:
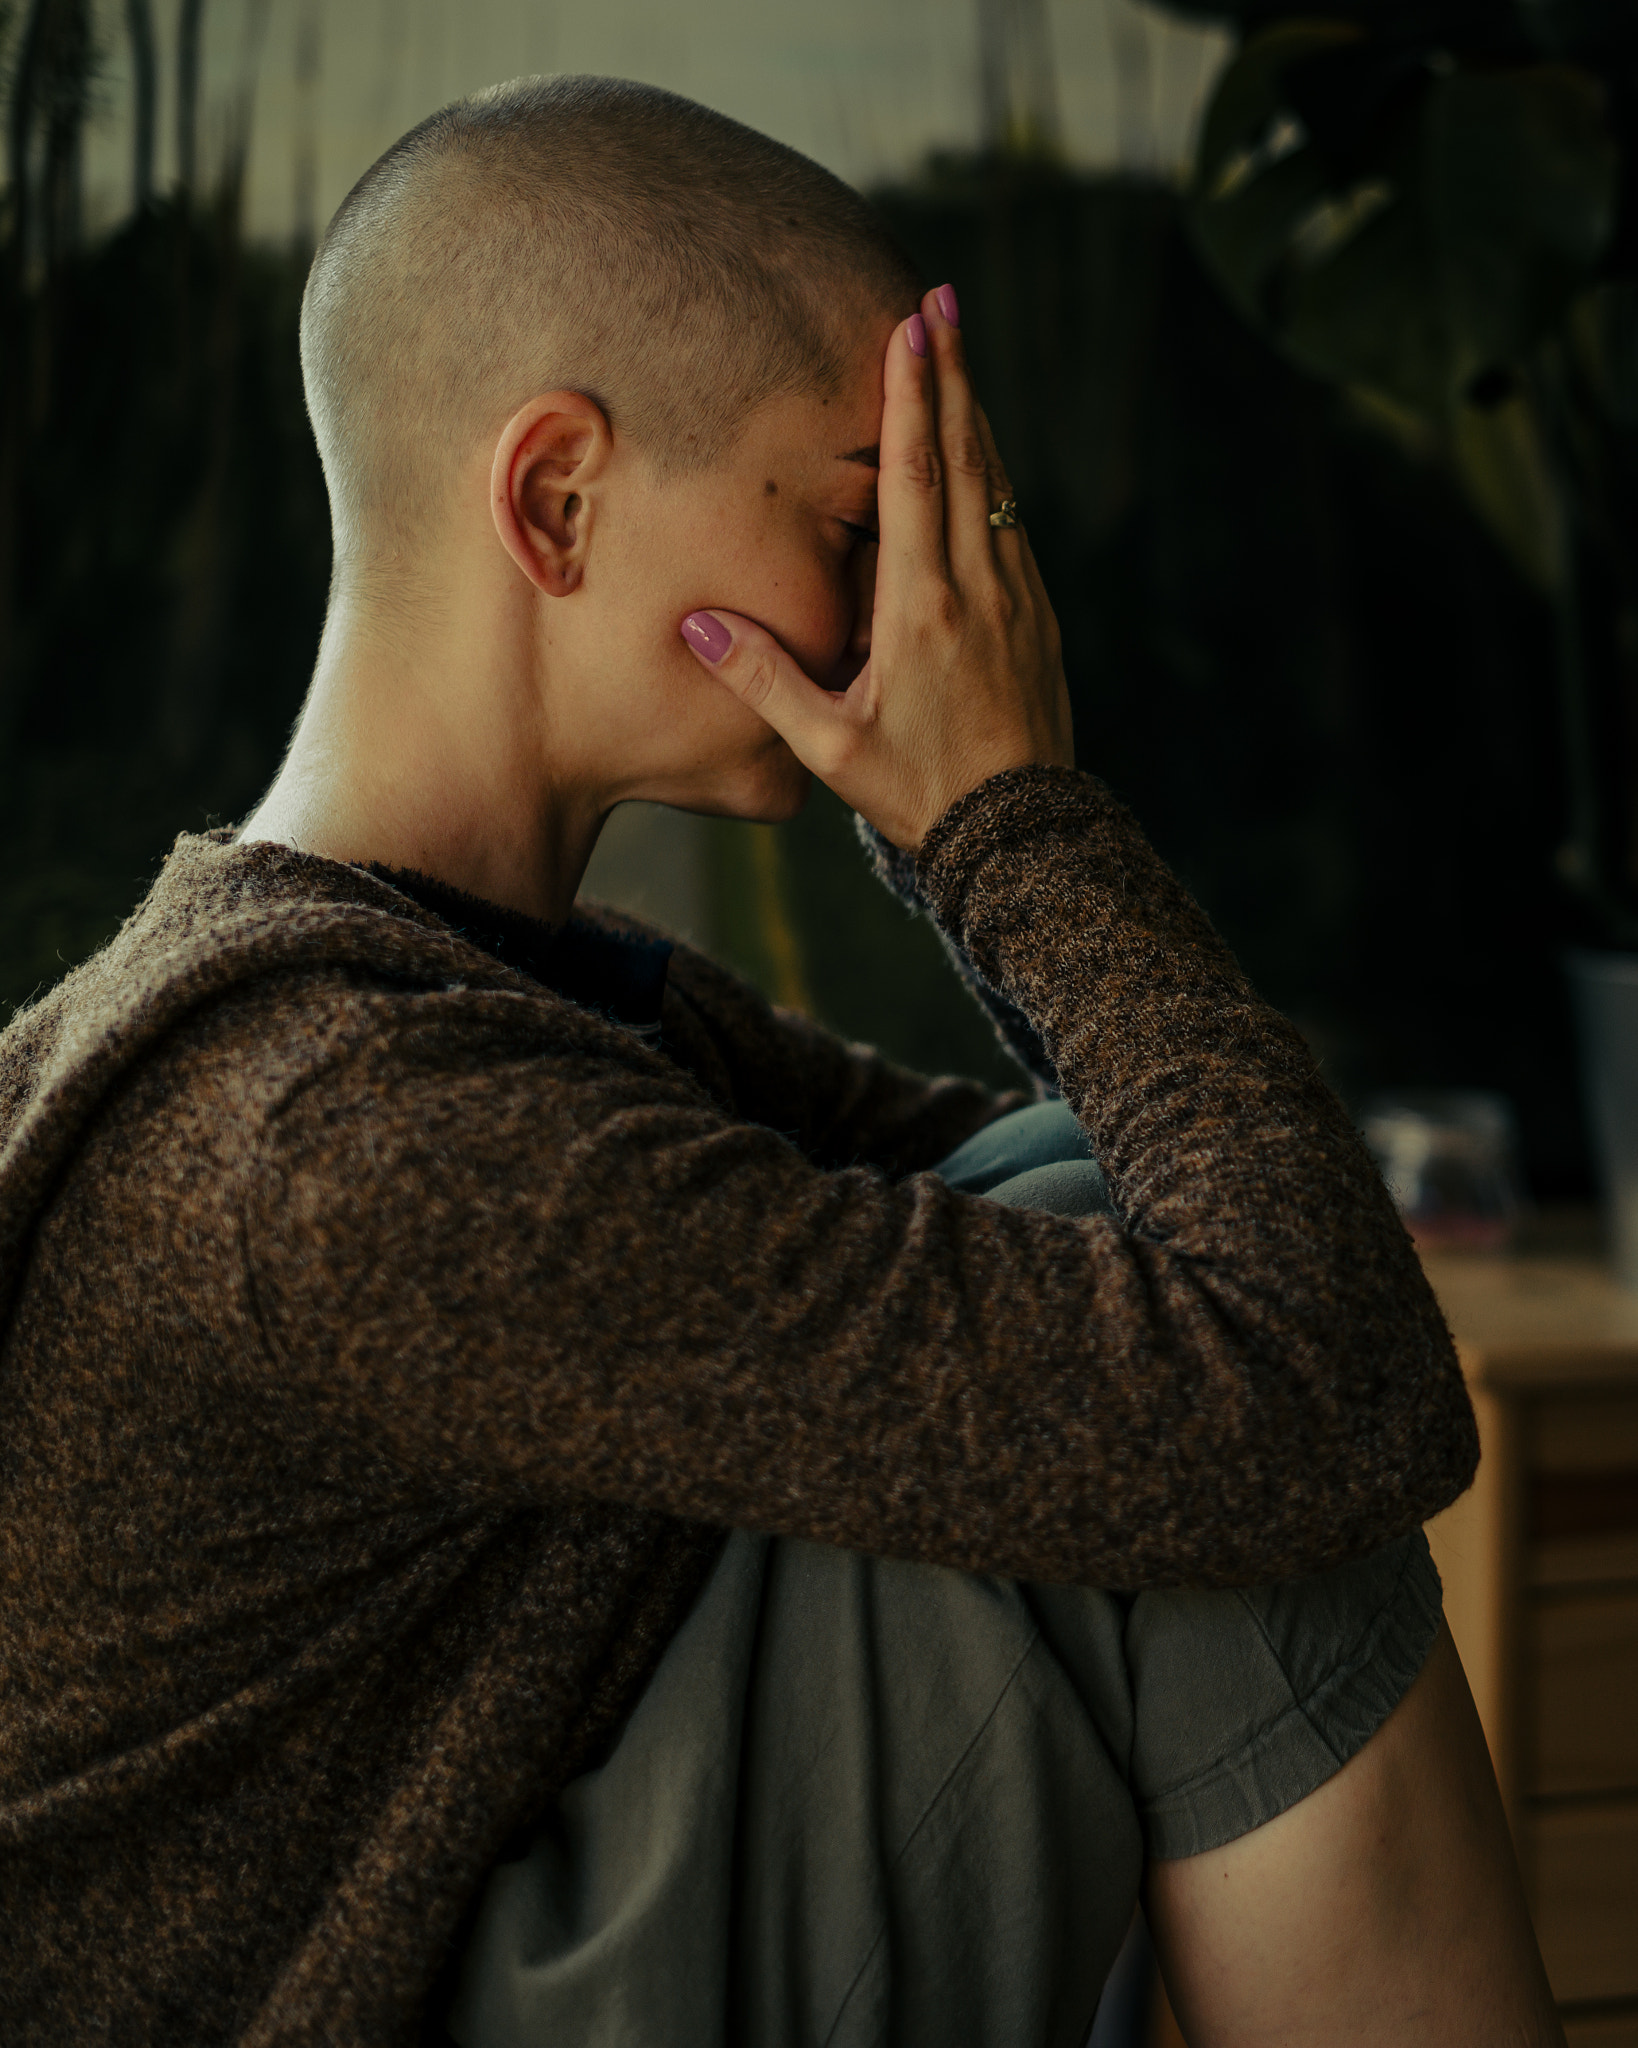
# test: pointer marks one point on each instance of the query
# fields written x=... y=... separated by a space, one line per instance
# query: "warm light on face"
x=781 y=531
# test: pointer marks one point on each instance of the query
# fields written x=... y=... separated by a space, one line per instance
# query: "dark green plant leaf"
x=1241 y=128
x=1470 y=215
x=1365 y=316
x=1520 y=178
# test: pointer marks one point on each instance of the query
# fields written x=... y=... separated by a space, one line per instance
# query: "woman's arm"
x=839 y=1103
x=525 y=1271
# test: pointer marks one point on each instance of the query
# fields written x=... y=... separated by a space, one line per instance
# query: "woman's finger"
x=910 y=487
x=999 y=484
x=967 y=499
x=749 y=661
x=1014 y=555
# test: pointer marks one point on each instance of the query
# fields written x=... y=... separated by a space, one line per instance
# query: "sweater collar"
x=621 y=977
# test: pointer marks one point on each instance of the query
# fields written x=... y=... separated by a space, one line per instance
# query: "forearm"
x=840 y=1103
x=1247 y=1195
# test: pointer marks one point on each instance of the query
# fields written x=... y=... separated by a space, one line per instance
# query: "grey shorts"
x=869 y=1802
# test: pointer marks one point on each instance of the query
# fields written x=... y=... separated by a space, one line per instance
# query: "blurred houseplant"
x=1434 y=204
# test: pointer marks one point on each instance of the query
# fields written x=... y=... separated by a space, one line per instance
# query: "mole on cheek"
x=770 y=489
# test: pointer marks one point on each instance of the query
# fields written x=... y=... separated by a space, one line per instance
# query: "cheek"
x=808 y=605
x=769 y=567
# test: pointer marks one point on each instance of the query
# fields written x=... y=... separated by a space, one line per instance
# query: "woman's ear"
x=553 y=450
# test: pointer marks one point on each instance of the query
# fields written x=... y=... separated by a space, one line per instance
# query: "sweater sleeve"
x=533 y=1272
x=840 y=1104
x=896 y=871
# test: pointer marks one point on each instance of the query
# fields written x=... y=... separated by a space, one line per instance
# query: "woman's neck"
x=430 y=759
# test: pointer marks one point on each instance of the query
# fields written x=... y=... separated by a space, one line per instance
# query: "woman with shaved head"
x=548 y=1501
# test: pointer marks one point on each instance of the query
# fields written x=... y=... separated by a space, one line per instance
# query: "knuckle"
x=920 y=467
x=966 y=454
x=756 y=676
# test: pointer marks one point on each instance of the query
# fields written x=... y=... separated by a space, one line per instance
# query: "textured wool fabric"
x=896 y=871
x=384 y=1341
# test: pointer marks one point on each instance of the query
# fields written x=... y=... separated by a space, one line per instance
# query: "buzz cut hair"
x=573 y=233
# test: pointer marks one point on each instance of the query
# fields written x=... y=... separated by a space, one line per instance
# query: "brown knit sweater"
x=385 y=1338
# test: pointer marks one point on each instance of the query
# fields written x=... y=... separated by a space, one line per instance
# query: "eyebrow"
x=871 y=457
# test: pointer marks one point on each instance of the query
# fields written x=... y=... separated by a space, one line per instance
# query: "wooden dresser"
x=1540 y=1564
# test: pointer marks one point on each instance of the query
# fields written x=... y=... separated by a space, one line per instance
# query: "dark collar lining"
x=623 y=978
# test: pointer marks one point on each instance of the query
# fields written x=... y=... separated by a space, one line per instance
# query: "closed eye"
x=868 y=533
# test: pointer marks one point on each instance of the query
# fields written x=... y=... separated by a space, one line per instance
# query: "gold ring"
x=1006 y=513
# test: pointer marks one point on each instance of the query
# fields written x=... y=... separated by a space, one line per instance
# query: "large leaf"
x=1419 y=231
x=1521 y=178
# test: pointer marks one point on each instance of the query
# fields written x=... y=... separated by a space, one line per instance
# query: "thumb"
x=751 y=662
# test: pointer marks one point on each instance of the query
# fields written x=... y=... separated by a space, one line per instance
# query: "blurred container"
x=1450 y=1159
x=1605 y=988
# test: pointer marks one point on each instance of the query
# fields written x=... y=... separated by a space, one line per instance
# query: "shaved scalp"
x=572 y=233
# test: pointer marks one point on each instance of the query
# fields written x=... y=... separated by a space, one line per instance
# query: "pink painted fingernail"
x=915 y=333
x=706 y=635
x=948 y=304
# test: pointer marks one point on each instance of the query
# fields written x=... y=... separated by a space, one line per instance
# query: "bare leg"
x=1384 y=1908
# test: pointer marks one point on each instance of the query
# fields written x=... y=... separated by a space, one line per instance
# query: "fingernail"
x=948 y=304
x=916 y=334
x=706 y=635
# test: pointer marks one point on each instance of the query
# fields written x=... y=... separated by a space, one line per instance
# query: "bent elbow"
x=1394 y=1451
x=1422 y=1445
x=1446 y=1452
